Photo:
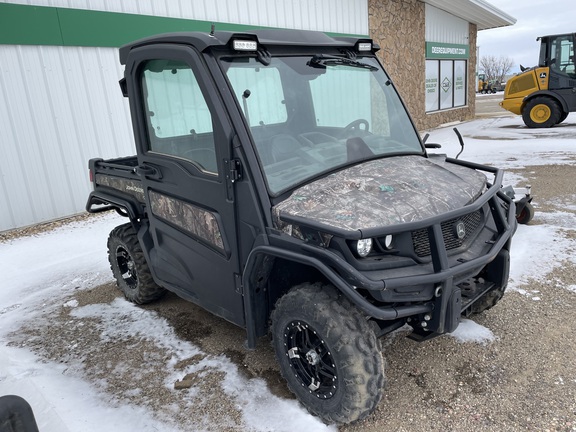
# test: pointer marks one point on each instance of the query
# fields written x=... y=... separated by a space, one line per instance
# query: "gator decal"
x=382 y=192
x=195 y=220
x=131 y=187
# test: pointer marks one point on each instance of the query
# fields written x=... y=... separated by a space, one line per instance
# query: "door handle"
x=148 y=171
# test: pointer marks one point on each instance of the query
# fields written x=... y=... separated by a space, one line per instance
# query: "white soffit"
x=478 y=12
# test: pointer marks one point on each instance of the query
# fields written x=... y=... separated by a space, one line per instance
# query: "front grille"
x=471 y=221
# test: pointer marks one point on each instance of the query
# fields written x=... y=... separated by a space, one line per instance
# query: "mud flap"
x=453 y=311
x=446 y=315
x=498 y=270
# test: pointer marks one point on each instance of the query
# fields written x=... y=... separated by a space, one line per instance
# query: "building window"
x=460 y=68
x=446 y=75
x=445 y=84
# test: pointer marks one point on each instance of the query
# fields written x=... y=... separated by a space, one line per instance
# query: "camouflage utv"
x=280 y=184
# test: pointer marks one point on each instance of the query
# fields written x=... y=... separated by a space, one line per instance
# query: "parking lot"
x=487 y=105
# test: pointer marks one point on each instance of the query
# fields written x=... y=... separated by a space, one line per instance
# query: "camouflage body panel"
x=195 y=220
x=128 y=186
x=382 y=192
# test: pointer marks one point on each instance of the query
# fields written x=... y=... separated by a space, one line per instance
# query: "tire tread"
x=147 y=290
x=351 y=336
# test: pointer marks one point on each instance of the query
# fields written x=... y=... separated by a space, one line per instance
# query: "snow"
x=469 y=331
x=37 y=270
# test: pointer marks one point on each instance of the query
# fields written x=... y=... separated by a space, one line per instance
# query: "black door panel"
x=184 y=139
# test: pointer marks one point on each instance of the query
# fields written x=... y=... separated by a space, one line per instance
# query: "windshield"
x=309 y=115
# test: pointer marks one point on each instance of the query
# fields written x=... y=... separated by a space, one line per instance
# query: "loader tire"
x=541 y=112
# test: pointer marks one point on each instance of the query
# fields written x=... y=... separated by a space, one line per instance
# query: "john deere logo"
x=460 y=230
x=446 y=84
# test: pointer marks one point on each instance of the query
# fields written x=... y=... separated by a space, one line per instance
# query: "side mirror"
x=431 y=145
x=460 y=140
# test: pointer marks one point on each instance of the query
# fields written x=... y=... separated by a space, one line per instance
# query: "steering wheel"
x=354 y=128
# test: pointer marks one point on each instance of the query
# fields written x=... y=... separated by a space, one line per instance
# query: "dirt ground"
x=523 y=381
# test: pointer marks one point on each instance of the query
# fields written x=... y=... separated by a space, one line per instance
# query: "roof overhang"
x=478 y=12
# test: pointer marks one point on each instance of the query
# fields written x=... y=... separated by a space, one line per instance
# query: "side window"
x=567 y=56
x=562 y=54
x=179 y=120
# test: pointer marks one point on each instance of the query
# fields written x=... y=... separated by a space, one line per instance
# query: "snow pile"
x=469 y=331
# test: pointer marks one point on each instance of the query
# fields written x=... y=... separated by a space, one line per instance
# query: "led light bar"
x=364 y=46
x=244 y=45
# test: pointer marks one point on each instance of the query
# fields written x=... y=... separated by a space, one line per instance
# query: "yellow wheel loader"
x=484 y=86
x=544 y=95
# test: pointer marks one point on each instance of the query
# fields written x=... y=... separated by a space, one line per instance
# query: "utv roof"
x=202 y=41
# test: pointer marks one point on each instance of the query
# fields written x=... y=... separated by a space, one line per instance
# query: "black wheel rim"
x=127 y=267
x=311 y=359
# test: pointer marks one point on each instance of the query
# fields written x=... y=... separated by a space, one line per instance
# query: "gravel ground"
x=523 y=381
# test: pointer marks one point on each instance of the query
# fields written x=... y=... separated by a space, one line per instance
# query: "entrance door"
x=185 y=144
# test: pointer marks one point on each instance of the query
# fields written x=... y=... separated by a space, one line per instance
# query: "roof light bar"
x=364 y=46
x=244 y=45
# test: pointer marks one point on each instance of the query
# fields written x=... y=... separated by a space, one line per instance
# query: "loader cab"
x=557 y=53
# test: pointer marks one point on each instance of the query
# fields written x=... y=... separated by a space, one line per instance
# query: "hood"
x=384 y=192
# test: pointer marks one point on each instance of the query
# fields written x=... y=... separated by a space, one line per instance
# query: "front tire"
x=129 y=266
x=541 y=112
x=487 y=301
x=563 y=117
x=328 y=353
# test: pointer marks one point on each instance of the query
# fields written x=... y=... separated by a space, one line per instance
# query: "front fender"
x=549 y=94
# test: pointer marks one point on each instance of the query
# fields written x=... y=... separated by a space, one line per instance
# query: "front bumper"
x=442 y=288
x=513 y=105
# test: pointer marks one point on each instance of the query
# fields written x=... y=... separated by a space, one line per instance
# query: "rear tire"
x=129 y=266
x=328 y=353
x=541 y=112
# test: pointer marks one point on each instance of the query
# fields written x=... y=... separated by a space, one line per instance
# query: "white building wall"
x=61 y=106
x=445 y=28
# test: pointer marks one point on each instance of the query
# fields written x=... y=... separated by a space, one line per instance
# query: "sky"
x=534 y=18
x=40 y=273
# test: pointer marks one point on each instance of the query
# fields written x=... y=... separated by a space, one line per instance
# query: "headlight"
x=363 y=247
x=388 y=242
